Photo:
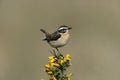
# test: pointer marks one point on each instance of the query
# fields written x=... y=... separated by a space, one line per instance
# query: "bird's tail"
x=46 y=34
x=42 y=30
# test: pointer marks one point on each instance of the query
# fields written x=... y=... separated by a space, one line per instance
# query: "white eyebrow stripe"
x=62 y=28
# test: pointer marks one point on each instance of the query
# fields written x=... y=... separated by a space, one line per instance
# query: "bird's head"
x=64 y=29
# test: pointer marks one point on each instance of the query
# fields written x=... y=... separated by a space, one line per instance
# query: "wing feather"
x=55 y=36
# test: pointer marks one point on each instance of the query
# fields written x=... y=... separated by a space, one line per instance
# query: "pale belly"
x=57 y=43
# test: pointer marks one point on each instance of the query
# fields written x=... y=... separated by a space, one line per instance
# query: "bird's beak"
x=70 y=28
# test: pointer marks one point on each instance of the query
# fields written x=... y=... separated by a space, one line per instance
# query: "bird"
x=59 y=38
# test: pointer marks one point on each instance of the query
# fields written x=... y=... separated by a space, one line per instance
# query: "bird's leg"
x=53 y=52
x=59 y=52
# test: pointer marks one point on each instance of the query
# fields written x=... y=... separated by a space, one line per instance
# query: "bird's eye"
x=62 y=31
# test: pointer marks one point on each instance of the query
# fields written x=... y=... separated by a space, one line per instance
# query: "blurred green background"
x=94 y=44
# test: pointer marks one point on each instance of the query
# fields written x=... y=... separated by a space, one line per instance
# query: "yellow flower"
x=47 y=66
x=68 y=76
x=68 y=57
x=53 y=78
x=52 y=59
x=55 y=64
x=62 y=62
x=50 y=72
